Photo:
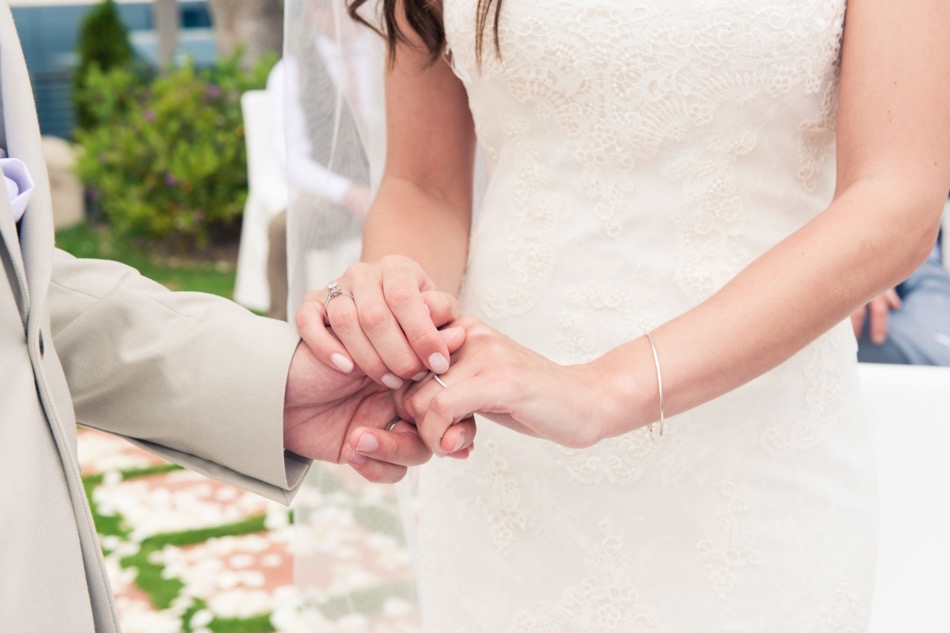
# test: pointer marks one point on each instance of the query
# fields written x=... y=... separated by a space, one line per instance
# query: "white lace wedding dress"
x=640 y=155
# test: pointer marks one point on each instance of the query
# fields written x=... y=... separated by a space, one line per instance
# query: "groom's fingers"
x=401 y=446
x=379 y=472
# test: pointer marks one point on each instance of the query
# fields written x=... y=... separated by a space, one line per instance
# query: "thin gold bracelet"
x=659 y=383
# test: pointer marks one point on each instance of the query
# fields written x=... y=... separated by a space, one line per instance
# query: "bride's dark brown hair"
x=425 y=20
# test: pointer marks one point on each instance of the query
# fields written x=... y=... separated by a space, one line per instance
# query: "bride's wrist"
x=624 y=383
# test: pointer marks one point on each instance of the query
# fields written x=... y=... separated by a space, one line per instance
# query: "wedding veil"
x=352 y=548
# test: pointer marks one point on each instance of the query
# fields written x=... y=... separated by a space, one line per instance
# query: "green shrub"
x=168 y=160
x=103 y=45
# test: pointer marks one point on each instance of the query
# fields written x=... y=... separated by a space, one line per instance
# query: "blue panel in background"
x=49 y=36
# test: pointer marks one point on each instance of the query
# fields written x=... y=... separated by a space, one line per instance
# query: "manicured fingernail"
x=422 y=374
x=449 y=334
x=356 y=458
x=367 y=443
x=342 y=363
x=392 y=381
x=460 y=443
x=439 y=363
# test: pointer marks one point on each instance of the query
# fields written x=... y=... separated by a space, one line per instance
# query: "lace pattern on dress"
x=730 y=542
x=501 y=500
x=606 y=600
x=685 y=64
x=710 y=228
x=826 y=367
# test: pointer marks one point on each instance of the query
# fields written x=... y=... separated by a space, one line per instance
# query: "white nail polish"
x=342 y=363
x=392 y=381
x=422 y=374
x=439 y=363
x=459 y=444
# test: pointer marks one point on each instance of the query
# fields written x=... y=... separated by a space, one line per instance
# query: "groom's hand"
x=323 y=408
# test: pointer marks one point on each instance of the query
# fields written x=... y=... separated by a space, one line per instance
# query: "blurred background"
x=139 y=105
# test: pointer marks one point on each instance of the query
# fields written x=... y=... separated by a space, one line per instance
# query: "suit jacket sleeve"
x=194 y=378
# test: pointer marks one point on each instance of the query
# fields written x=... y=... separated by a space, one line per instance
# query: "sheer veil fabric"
x=352 y=560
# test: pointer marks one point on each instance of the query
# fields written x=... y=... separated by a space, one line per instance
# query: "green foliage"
x=167 y=161
x=103 y=45
x=213 y=275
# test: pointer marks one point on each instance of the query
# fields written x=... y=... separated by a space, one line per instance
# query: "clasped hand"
x=385 y=324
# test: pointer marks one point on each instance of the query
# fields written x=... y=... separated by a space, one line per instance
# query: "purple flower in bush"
x=149 y=115
x=214 y=91
x=170 y=180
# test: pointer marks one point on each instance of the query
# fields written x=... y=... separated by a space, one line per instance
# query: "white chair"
x=908 y=409
x=267 y=196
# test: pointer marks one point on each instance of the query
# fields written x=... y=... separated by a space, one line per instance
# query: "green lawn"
x=208 y=272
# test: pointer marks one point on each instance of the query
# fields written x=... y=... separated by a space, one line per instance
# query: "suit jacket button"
x=42 y=347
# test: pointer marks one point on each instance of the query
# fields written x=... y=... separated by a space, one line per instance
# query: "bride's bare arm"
x=423 y=208
x=893 y=177
x=415 y=241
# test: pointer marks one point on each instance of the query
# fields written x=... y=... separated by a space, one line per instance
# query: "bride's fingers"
x=401 y=446
x=401 y=289
x=452 y=407
x=310 y=321
x=459 y=438
x=383 y=332
x=415 y=401
x=443 y=307
x=344 y=318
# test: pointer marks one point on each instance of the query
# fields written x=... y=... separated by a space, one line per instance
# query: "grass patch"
x=210 y=271
x=258 y=624
x=162 y=591
x=113 y=524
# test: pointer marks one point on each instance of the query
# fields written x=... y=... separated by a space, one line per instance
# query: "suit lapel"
x=22 y=132
x=36 y=240
x=12 y=257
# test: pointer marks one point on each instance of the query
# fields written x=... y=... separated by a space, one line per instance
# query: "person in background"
x=312 y=184
x=910 y=324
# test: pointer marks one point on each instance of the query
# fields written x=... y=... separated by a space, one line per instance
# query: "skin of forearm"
x=870 y=238
x=406 y=220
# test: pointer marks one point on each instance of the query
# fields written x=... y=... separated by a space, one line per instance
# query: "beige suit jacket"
x=193 y=378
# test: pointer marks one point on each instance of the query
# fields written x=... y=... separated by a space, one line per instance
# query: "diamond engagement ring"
x=333 y=291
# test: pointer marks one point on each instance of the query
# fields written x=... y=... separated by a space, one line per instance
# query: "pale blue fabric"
x=19 y=185
x=919 y=331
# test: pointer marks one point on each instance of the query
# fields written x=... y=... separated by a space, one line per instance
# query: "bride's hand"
x=385 y=322
x=491 y=374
